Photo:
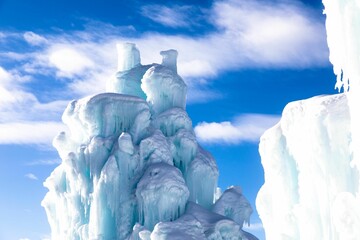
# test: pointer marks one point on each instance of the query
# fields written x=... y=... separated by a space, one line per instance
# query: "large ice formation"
x=311 y=157
x=132 y=167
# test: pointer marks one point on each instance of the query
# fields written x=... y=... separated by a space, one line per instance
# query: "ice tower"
x=311 y=157
x=132 y=167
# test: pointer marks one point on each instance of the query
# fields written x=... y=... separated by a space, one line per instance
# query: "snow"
x=132 y=167
x=311 y=157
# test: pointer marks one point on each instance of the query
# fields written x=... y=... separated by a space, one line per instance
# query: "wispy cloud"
x=172 y=16
x=31 y=176
x=245 y=128
x=43 y=162
x=34 y=39
x=38 y=133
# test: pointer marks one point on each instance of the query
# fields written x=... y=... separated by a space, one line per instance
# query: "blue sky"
x=243 y=61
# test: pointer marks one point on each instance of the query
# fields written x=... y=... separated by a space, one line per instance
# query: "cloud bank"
x=245 y=128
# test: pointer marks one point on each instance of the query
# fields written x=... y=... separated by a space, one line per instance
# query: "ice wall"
x=343 y=27
x=311 y=157
x=132 y=167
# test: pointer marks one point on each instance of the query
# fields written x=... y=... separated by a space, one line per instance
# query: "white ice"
x=312 y=157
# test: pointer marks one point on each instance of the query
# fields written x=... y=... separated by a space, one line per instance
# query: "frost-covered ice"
x=311 y=157
x=132 y=167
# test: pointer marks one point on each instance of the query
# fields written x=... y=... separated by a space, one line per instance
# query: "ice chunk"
x=156 y=149
x=307 y=164
x=170 y=121
x=128 y=82
x=186 y=148
x=201 y=178
x=215 y=226
x=234 y=205
x=198 y=223
x=186 y=227
x=104 y=115
x=169 y=59
x=161 y=194
x=164 y=89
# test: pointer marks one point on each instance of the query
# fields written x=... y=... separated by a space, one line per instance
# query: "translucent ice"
x=161 y=194
x=131 y=162
x=129 y=56
x=201 y=178
x=233 y=205
x=163 y=87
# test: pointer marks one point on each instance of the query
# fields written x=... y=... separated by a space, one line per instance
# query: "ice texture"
x=129 y=56
x=234 y=205
x=164 y=88
x=132 y=167
x=311 y=157
x=161 y=194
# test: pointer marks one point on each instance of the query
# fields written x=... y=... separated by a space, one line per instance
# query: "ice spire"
x=128 y=56
x=169 y=59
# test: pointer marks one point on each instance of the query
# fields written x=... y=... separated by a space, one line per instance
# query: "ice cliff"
x=132 y=167
x=311 y=157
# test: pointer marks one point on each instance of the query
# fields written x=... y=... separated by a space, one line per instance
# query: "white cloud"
x=34 y=39
x=174 y=16
x=31 y=176
x=280 y=34
x=245 y=128
x=39 y=133
x=69 y=61
x=44 y=162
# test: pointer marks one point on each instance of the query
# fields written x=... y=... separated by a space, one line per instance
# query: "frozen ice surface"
x=161 y=194
x=131 y=164
x=201 y=178
x=312 y=157
x=172 y=120
x=164 y=89
x=307 y=164
x=128 y=56
x=234 y=205
x=169 y=59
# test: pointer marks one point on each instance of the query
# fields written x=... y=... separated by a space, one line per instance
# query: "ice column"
x=169 y=59
x=128 y=56
x=342 y=27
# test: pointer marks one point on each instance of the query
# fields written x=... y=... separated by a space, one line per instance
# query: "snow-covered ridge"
x=132 y=167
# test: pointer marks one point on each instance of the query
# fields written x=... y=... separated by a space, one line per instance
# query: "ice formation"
x=132 y=167
x=311 y=157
